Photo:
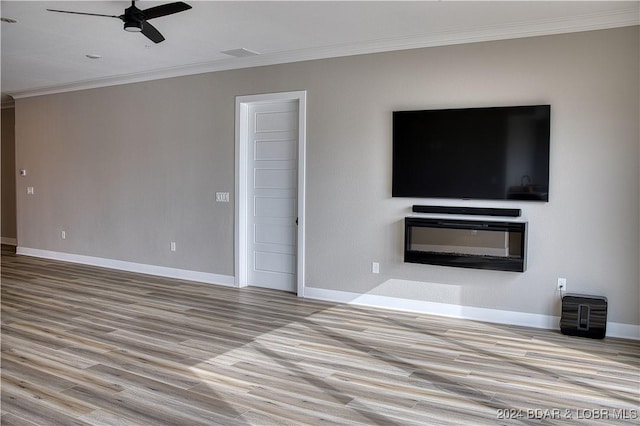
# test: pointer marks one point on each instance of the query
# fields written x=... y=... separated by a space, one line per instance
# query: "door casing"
x=242 y=175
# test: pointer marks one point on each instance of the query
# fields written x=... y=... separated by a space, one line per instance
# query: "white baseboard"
x=141 y=268
x=626 y=331
x=9 y=241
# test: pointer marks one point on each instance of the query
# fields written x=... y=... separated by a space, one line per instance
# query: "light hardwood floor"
x=84 y=345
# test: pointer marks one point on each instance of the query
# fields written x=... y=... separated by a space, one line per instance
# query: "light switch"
x=30 y=190
x=222 y=197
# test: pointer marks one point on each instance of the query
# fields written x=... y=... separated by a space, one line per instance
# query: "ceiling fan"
x=135 y=20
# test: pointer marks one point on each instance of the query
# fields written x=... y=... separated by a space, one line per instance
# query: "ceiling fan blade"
x=151 y=32
x=165 y=9
x=83 y=13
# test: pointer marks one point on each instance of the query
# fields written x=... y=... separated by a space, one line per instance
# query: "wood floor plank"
x=33 y=375
x=86 y=345
x=219 y=410
x=56 y=367
x=9 y=419
x=132 y=407
x=34 y=411
x=55 y=400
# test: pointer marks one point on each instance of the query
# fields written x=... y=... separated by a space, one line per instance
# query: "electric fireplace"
x=480 y=244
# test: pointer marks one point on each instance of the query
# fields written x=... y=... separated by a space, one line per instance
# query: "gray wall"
x=126 y=169
x=8 y=218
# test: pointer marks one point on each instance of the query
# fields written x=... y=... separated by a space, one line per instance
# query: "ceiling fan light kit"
x=135 y=20
x=133 y=27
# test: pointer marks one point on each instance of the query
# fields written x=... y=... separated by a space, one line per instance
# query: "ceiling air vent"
x=240 y=53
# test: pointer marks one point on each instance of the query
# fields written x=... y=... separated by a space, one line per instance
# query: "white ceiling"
x=45 y=52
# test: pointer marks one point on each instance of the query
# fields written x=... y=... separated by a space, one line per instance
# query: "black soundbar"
x=474 y=211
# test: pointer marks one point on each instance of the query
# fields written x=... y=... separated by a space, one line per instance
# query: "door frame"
x=242 y=179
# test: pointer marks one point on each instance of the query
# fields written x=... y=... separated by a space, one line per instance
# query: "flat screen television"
x=496 y=153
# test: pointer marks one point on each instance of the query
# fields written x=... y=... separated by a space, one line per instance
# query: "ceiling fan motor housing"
x=133 y=19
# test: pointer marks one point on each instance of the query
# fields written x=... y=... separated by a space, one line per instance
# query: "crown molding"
x=622 y=18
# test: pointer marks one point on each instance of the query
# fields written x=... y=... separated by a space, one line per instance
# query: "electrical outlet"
x=562 y=284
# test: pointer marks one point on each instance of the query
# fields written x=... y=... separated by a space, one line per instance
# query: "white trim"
x=302 y=185
x=9 y=241
x=622 y=18
x=120 y=265
x=242 y=108
x=240 y=231
x=626 y=331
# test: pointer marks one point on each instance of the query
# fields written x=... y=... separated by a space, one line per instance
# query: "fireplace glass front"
x=481 y=244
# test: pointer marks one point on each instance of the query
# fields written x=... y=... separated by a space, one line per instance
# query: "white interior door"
x=272 y=187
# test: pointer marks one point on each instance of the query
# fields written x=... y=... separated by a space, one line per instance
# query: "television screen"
x=498 y=153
